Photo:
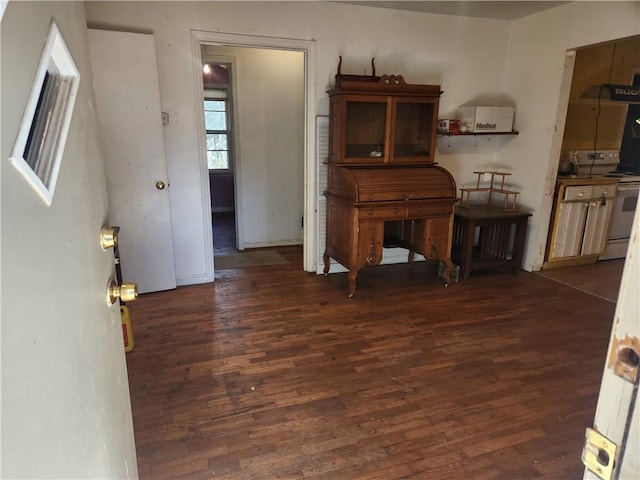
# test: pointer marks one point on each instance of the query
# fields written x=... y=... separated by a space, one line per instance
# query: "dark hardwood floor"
x=273 y=373
x=601 y=279
x=224 y=234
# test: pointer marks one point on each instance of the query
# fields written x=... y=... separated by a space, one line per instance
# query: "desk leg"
x=518 y=243
x=352 y=282
x=468 y=228
x=447 y=271
x=327 y=263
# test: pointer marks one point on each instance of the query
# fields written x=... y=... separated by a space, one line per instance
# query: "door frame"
x=307 y=47
x=237 y=181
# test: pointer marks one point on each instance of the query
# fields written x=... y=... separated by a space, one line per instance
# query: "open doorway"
x=200 y=40
x=218 y=122
x=591 y=145
x=254 y=107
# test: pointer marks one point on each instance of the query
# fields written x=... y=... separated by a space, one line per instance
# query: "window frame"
x=50 y=133
x=211 y=96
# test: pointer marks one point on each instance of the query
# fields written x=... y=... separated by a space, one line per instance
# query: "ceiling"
x=501 y=10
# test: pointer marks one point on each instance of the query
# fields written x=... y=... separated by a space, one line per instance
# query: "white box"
x=487 y=119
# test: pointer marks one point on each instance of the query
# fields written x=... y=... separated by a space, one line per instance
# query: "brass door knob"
x=127 y=292
x=160 y=185
x=109 y=237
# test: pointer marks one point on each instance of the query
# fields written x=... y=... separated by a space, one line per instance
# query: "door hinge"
x=598 y=454
x=302 y=222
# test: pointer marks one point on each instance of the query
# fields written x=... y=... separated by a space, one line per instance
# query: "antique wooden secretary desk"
x=383 y=186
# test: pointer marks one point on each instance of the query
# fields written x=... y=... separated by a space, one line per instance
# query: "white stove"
x=601 y=163
x=625 y=177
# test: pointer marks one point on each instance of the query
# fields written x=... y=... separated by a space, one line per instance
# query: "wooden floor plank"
x=272 y=373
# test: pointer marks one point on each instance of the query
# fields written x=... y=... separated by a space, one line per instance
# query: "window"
x=38 y=149
x=216 y=120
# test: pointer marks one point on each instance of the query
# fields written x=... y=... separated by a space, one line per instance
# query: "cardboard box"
x=487 y=119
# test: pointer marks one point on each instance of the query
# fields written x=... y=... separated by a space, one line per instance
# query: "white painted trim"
x=237 y=155
x=237 y=159
x=310 y=171
x=3 y=7
x=192 y=279
x=279 y=243
x=198 y=91
x=308 y=48
x=55 y=51
x=535 y=263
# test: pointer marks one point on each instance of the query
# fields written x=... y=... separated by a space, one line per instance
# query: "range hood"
x=608 y=92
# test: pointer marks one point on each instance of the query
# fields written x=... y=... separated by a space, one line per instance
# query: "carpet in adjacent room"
x=249 y=259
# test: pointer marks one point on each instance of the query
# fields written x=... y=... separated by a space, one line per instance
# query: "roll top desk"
x=383 y=186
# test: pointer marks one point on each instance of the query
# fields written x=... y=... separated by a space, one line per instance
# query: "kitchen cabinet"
x=579 y=220
x=383 y=188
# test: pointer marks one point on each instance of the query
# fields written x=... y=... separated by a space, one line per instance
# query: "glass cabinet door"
x=413 y=129
x=365 y=130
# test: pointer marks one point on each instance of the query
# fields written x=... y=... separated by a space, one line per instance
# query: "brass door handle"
x=109 y=237
x=127 y=292
x=160 y=185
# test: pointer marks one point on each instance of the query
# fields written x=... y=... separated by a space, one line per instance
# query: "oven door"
x=625 y=207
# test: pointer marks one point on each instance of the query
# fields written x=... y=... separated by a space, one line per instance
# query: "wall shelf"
x=473 y=142
x=477 y=134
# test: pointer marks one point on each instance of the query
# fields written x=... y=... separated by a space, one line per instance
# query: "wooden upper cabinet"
x=382 y=120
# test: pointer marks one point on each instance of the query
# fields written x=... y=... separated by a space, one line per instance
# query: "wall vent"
x=322 y=154
x=38 y=149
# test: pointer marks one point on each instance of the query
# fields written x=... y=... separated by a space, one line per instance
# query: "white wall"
x=534 y=76
x=270 y=133
x=466 y=56
x=476 y=61
x=65 y=395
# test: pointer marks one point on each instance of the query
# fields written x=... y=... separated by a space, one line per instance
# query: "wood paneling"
x=589 y=121
x=273 y=373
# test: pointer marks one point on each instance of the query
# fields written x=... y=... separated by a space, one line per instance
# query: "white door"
x=617 y=416
x=66 y=411
x=125 y=80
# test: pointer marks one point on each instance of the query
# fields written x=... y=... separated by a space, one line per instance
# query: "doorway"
x=255 y=159
x=271 y=195
x=217 y=73
x=592 y=124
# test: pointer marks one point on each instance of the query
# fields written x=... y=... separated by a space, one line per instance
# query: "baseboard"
x=192 y=280
x=615 y=249
x=390 y=256
x=570 y=261
x=279 y=243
